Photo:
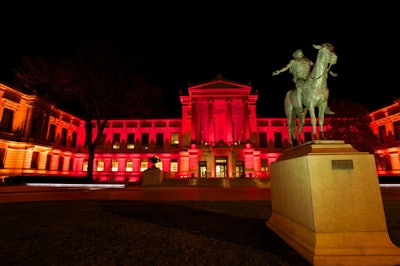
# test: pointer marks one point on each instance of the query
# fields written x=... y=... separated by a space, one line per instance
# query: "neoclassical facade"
x=385 y=123
x=218 y=135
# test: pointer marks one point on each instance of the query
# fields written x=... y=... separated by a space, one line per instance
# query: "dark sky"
x=243 y=42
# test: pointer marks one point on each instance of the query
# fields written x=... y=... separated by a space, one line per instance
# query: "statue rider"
x=299 y=67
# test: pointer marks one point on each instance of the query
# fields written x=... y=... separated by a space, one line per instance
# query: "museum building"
x=385 y=123
x=218 y=136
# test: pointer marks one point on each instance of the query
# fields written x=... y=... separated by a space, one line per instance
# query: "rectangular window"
x=34 y=128
x=52 y=133
x=263 y=140
x=131 y=141
x=264 y=165
x=114 y=165
x=35 y=158
x=60 y=163
x=71 y=164
x=396 y=126
x=143 y=165
x=100 y=165
x=48 y=161
x=85 y=165
x=174 y=165
x=2 y=153
x=174 y=140
x=145 y=140
x=116 y=141
x=129 y=166
x=278 y=140
x=74 y=139
x=382 y=133
x=6 y=120
x=159 y=165
x=64 y=136
x=159 y=140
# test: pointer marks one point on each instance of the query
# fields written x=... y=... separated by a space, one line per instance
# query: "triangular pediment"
x=220 y=88
x=220 y=84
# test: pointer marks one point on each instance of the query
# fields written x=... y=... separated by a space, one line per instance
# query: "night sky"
x=244 y=43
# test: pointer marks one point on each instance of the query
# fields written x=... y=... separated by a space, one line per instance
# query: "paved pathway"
x=190 y=189
x=25 y=193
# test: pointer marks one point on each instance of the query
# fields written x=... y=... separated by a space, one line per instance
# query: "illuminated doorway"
x=239 y=169
x=221 y=166
x=202 y=169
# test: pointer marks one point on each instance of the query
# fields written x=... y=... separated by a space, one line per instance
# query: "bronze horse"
x=315 y=94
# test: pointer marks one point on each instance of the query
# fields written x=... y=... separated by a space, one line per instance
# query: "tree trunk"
x=92 y=144
x=90 y=148
x=89 y=174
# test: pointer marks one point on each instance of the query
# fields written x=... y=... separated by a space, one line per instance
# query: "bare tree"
x=95 y=82
x=351 y=123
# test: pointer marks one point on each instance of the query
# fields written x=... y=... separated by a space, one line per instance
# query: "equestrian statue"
x=311 y=91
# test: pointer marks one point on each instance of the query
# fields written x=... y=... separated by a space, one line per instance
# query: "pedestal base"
x=327 y=205
x=152 y=177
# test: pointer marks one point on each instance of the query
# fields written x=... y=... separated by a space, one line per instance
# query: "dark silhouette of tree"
x=97 y=81
x=351 y=123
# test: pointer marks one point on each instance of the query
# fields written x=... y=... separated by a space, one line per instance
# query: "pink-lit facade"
x=218 y=135
x=385 y=123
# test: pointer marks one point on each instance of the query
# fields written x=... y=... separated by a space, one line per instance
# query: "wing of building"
x=385 y=123
x=218 y=136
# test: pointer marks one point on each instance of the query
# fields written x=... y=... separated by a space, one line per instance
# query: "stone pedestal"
x=327 y=204
x=152 y=177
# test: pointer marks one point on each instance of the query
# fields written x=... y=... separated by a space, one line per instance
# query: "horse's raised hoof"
x=328 y=111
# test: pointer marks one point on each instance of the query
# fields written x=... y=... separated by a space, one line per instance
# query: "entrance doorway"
x=221 y=166
x=239 y=170
x=202 y=169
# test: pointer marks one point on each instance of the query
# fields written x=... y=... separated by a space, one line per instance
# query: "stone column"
x=28 y=121
x=228 y=121
x=210 y=137
x=194 y=121
x=246 y=132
